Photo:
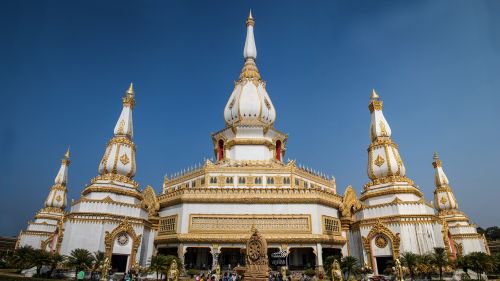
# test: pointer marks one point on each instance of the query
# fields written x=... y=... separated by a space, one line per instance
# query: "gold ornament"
x=379 y=161
x=124 y=159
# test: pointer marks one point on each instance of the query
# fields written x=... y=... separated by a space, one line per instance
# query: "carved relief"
x=123 y=227
x=380 y=229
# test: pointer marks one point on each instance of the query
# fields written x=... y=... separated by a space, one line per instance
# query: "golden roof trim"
x=133 y=192
x=390 y=190
x=252 y=195
x=243 y=237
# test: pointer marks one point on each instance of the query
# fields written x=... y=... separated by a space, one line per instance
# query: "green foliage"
x=350 y=267
x=192 y=272
x=410 y=260
x=160 y=264
x=327 y=264
x=440 y=259
x=21 y=258
x=39 y=258
x=310 y=272
x=79 y=259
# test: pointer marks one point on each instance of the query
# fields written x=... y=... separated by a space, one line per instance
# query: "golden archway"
x=123 y=227
x=380 y=229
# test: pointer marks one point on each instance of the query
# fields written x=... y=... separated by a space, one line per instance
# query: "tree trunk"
x=440 y=273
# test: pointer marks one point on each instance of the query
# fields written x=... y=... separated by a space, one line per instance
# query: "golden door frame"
x=123 y=227
x=380 y=229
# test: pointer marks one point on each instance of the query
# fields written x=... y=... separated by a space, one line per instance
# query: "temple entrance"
x=301 y=258
x=231 y=257
x=198 y=258
x=382 y=264
x=119 y=263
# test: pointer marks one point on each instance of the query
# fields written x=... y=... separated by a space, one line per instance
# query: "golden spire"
x=250 y=20
x=129 y=98
x=437 y=162
x=67 y=154
x=375 y=102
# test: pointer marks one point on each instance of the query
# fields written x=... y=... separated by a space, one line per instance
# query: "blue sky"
x=66 y=64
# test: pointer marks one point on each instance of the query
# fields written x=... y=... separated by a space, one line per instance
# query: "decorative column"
x=319 y=258
x=181 y=251
x=215 y=251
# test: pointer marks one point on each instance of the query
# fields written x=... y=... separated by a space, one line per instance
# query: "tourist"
x=80 y=275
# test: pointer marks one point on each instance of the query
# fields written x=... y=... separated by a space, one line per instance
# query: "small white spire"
x=250 y=50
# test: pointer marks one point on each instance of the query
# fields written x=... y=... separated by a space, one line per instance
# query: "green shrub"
x=310 y=272
x=192 y=272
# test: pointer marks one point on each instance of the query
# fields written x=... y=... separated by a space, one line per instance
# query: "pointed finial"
x=435 y=156
x=67 y=154
x=131 y=88
x=250 y=20
x=374 y=95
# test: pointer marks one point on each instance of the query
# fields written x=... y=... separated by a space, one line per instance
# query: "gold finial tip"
x=130 y=88
x=374 y=95
x=435 y=156
x=67 y=154
x=250 y=20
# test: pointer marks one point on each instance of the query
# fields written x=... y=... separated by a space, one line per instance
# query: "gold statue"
x=105 y=269
x=217 y=271
x=399 y=270
x=283 y=273
x=173 y=272
x=336 y=271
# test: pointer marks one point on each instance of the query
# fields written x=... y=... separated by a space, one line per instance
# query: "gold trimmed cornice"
x=115 y=177
x=390 y=190
x=111 y=189
x=99 y=217
x=243 y=237
x=399 y=219
x=252 y=195
x=106 y=200
x=35 y=233
x=388 y=179
x=396 y=201
x=467 y=236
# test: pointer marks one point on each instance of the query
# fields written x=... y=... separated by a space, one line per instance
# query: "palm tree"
x=79 y=259
x=440 y=259
x=97 y=262
x=40 y=258
x=22 y=258
x=158 y=264
x=425 y=265
x=54 y=261
x=464 y=262
x=350 y=266
x=480 y=263
x=410 y=260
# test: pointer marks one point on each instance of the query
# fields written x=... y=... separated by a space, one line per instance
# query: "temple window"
x=193 y=184
x=270 y=180
x=278 y=150
x=241 y=180
x=297 y=182
x=305 y=184
x=258 y=180
x=229 y=180
x=331 y=225
x=213 y=180
x=286 y=180
x=202 y=181
x=220 y=150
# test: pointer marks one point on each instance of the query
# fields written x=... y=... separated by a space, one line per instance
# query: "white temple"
x=204 y=214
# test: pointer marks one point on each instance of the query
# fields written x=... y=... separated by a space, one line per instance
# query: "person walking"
x=80 y=275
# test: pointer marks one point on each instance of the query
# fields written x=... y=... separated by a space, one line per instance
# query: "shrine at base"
x=204 y=214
